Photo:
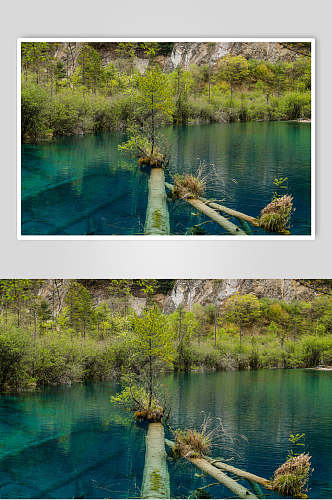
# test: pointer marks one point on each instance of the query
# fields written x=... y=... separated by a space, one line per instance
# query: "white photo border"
x=311 y=237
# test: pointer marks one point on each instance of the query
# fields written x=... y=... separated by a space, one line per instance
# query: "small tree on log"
x=154 y=104
x=151 y=344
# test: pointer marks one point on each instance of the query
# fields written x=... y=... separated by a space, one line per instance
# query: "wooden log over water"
x=157 y=217
x=230 y=211
x=212 y=214
x=155 y=476
x=239 y=472
x=239 y=490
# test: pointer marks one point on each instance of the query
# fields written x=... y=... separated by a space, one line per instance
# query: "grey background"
x=166 y=259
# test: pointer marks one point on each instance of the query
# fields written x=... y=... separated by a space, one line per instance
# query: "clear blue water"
x=72 y=443
x=85 y=186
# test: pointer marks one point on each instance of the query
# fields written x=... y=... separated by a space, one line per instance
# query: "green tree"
x=234 y=70
x=152 y=343
x=181 y=83
x=15 y=294
x=243 y=310
x=33 y=56
x=79 y=307
x=90 y=67
x=127 y=51
x=279 y=314
x=154 y=104
x=101 y=318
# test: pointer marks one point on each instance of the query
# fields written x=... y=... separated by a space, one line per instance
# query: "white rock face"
x=186 y=53
x=190 y=292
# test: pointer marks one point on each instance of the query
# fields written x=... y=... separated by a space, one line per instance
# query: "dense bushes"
x=15 y=360
x=54 y=359
x=35 y=112
x=251 y=106
x=70 y=112
x=61 y=358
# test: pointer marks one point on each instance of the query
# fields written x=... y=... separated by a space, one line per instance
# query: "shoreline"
x=191 y=123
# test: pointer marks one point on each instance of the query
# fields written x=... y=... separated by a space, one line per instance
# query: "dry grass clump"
x=191 y=443
x=189 y=186
x=153 y=415
x=275 y=216
x=155 y=160
x=291 y=478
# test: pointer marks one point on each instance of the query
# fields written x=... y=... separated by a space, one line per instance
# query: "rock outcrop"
x=190 y=292
x=183 y=54
x=184 y=292
x=186 y=53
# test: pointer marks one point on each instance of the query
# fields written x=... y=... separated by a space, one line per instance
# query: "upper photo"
x=169 y=138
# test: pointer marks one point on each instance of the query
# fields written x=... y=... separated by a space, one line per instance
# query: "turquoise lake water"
x=85 y=186
x=72 y=443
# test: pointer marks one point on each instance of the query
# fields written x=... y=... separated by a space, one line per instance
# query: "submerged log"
x=205 y=466
x=256 y=489
x=155 y=476
x=245 y=226
x=212 y=214
x=157 y=217
x=239 y=472
x=233 y=213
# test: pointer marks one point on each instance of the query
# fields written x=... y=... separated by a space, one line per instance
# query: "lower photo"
x=166 y=388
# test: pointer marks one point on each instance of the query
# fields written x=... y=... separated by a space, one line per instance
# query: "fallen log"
x=230 y=211
x=239 y=472
x=212 y=214
x=157 y=217
x=155 y=476
x=218 y=475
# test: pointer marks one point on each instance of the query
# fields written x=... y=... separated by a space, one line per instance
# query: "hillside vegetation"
x=82 y=341
x=78 y=93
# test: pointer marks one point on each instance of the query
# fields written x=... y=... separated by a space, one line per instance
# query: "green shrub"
x=71 y=113
x=15 y=356
x=295 y=105
x=35 y=112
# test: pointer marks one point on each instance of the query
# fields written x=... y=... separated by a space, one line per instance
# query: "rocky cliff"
x=186 y=53
x=183 y=53
x=186 y=292
x=189 y=292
